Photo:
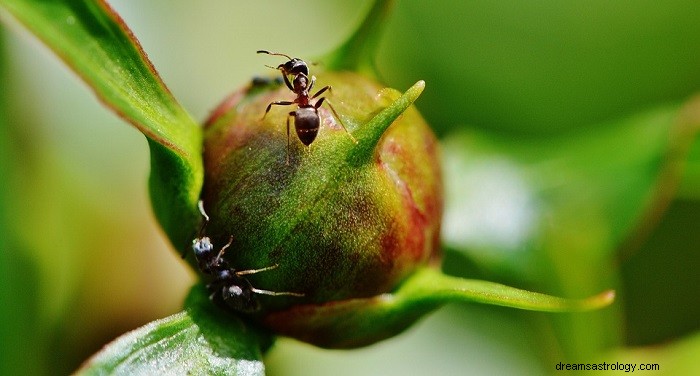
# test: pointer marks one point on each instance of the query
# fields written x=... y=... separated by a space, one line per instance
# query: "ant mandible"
x=228 y=287
x=306 y=118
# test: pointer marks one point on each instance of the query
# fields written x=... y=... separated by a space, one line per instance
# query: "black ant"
x=306 y=118
x=261 y=82
x=228 y=288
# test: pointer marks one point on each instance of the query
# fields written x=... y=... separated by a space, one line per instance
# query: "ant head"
x=203 y=252
x=294 y=67
x=202 y=247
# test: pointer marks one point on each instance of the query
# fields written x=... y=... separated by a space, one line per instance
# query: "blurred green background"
x=568 y=172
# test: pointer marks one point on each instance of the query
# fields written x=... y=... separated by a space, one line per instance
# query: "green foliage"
x=612 y=179
x=526 y=69
x=358 y=322
x=200 y=340
x=517 y=110
x=570 y=202
x=97 y=45
x=359 y=50
x=18 y=275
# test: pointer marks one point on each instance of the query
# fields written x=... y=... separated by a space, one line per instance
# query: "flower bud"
x=341 y=219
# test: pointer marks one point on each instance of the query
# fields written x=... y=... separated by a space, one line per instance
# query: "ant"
x=306 y=118
x=261 y=82
x=228 y=288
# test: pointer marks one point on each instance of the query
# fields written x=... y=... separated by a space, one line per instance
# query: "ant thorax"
x=301 y=88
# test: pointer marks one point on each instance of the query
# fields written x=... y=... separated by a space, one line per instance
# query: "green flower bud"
x=341 y=219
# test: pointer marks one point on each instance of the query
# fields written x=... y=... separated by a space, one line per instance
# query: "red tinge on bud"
x=344 y=218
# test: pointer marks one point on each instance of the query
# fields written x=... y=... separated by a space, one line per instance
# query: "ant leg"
x=274 y=293
x=320 y=102
x=286 y=81
x=253 y=271
x=322 y=91
x=311 y=83
x=266 y=292
x=276 y=103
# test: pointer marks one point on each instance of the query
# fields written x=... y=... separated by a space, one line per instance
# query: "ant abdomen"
x=306 y=124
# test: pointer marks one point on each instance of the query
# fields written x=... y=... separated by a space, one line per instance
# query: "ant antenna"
x=221 y=252
x=200 y=206
x=273 y=53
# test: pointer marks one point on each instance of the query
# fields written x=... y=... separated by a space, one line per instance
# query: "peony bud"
x=341 y=220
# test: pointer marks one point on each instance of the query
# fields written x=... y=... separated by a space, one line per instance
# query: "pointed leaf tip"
x=369 y=135
x=359 y=322
x=601 y=300
x=418 y=86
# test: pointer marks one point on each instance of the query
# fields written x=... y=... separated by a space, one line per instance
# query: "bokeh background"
x=567 y=172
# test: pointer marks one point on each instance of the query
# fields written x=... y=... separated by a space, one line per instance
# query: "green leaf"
x=359 y=51
x=670 y=249
x=690 y=184
x=357 y=322
x=201 y=340
x=557 y=211
x=91 y=38
x=568 y=197
x=23 y=341
x=430 y=287
x=20 y=333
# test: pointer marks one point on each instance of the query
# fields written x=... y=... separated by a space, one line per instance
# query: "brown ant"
x=306 y=118
x=228 y=288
